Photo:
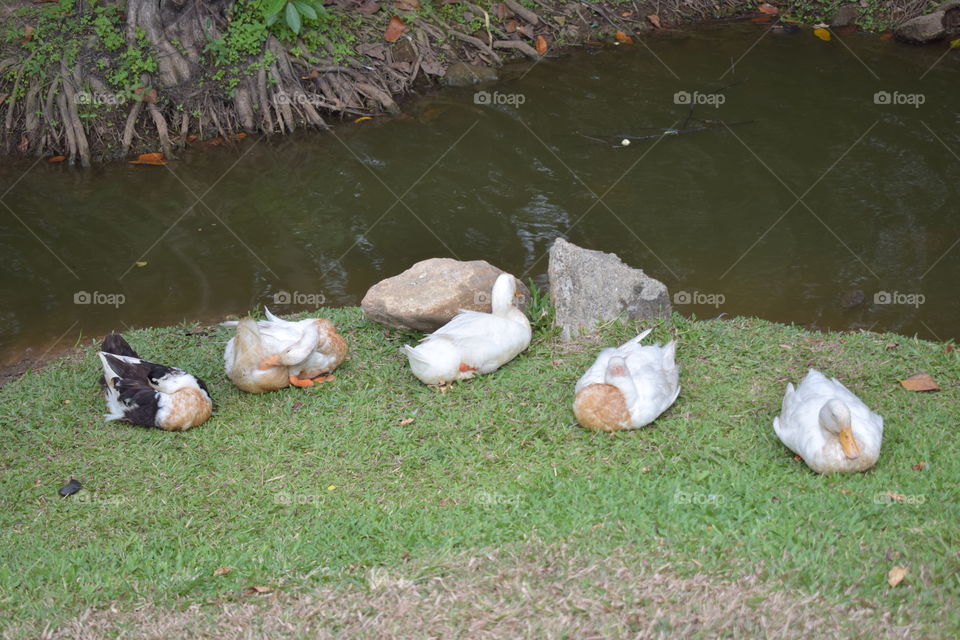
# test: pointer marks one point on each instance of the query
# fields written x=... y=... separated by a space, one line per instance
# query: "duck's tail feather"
x=115 y=344
x=636 y=340
x=270 y=316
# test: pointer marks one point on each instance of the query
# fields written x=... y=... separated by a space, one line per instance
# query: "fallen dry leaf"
x=768 y=9
x=369 y=7
x=920 y=382
x=511 y=26
x=502 y=11
x=822 y=33
x=846 y=492
x=141 y=263
x=221 y=571
x=362 y=119
x=919 y=466
x=407 y=5
x=623 y=38
x=27 y=34
x=394 y=30
x=886 y=36
x=406 y=421
x=252 y=590
x=57 y=159
x=949 y=348
x=542 y=45
x=655 y=20
x=896 y=575
x=762 y=19
x=149 y=158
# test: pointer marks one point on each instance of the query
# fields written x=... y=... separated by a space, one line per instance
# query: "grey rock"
x=588 y=287
x=933 y=26
x=427 y=295
x=461 y=74
x=846 y=15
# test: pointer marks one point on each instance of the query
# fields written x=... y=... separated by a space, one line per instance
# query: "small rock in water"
x=625 y=142
x=588 y=287
x=461 y=74
x=945 y=20
x=852 y=298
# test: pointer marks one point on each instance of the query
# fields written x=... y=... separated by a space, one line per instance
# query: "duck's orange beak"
x=849 y=444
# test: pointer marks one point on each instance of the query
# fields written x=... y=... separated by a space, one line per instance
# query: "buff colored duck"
x=149 y=394
x=627 y=387
x=824 y=423
x=473 y=342
x=274 y=353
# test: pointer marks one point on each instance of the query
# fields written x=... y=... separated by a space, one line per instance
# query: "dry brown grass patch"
x=529 y=592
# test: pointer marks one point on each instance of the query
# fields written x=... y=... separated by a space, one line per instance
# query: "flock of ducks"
x=627 y=387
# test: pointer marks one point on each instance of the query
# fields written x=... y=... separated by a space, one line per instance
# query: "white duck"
x=473 y=342
x=628 y=387
x=828 y=426
x=274 y=353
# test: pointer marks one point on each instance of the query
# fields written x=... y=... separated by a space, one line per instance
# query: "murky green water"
x=713 y=213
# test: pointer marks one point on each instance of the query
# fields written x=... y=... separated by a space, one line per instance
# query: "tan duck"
x=274 y=353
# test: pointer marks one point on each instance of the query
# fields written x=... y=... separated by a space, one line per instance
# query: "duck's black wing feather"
x=115 y=344
x=140 y=399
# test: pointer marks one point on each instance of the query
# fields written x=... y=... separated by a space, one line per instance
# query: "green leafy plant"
x=294 y=12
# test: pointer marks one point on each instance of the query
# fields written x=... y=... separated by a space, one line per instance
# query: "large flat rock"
x=427 y=295
x=588 y=287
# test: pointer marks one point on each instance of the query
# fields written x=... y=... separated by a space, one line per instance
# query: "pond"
x=828 y=199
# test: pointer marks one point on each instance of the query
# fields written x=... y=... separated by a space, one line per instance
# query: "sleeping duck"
x=473 y=342
x=274 y=353
x=148 y=394
x=824 y=423
x=627 y=387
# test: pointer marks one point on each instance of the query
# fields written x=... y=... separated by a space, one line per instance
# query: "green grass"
x=494 y=461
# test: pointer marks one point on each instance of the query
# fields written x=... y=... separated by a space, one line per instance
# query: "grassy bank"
x=303 y=490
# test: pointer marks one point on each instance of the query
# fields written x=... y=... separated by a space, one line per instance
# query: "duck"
x=828 y=426
x=627 y=387
x=149 y=394
x=473 y=342
x=271 y=354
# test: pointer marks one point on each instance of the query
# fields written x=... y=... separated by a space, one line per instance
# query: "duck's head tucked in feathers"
x=602 y=407
x=835 y=418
